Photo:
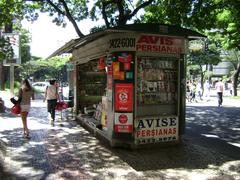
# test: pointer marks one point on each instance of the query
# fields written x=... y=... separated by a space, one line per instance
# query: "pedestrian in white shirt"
x=220 y=88
x=51 y=95
x=207 y=88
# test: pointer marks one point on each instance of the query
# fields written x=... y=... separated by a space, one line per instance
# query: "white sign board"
x=156 y=129
x=14 y=40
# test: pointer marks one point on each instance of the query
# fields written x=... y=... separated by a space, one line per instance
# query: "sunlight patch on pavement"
x=30 y=172
x=5 y=140
x=112 y=158
x=72 y=130
x=231 y=168
x=20 y=149
x=35 y=125
x=210 y=135
x=36 y=143
x=236 y=129
x=118 y=172
x=20 y=168
x=61 y=134
x=84 y=146
x=189 y=174
x=234 y=144
x=10 y=124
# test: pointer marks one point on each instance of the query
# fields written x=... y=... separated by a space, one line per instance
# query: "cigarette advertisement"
x=124 y=97
x=123 y=122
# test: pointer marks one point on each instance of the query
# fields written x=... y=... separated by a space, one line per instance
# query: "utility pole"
x=8 y=29
x=16 y=60
x=1 y=68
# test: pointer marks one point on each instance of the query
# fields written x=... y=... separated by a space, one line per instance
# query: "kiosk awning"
x=162 y=29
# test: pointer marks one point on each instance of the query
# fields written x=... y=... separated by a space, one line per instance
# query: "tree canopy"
x=6 y=51
x=114 y=12
x=219 y=17
x=42 y=69
x=10 y=10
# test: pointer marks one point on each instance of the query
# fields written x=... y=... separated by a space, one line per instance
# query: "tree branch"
x=135 y=11
x=69 y=16
x=104 y=15
x=121 y=15
x=55 y=7
x=63 y=13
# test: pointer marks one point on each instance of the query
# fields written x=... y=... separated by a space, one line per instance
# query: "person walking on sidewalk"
x=219 y=88
x=25 y=93
x=52 y=96
x=207 y=89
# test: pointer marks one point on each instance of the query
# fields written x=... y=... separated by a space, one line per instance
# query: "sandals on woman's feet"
x=26 y=135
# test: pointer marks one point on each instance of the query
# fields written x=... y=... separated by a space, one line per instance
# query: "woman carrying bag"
x=25 y=94
x=51 y=95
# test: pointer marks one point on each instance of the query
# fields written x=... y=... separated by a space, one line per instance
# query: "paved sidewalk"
x=212 y=100
x=67 y=151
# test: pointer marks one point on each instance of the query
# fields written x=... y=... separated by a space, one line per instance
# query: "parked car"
x=40 y=86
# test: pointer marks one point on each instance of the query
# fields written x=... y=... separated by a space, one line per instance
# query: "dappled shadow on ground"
x=68 y=151
x=8 y=176
x=27 y=153
x=214 y=123
x=212 y=134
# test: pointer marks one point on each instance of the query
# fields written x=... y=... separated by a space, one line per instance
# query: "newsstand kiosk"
x=130 y=81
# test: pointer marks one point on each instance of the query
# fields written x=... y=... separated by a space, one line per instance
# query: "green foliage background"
x=42 y=69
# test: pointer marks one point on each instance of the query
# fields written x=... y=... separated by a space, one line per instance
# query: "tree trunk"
x=235 y=79
x=2 y=76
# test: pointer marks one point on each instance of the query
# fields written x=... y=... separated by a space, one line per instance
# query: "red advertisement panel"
x=123 y=122
x=124 y=97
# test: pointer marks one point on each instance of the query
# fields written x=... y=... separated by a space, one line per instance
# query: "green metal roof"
x=159 y=29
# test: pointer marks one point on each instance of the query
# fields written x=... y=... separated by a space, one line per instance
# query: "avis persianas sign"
x=149 y=43
x=123 y=122
x=160 y=44
x=156 y=129
x=123 y=97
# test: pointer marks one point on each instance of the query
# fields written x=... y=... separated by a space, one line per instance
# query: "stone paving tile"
x=67 y=151
x=72 y=153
